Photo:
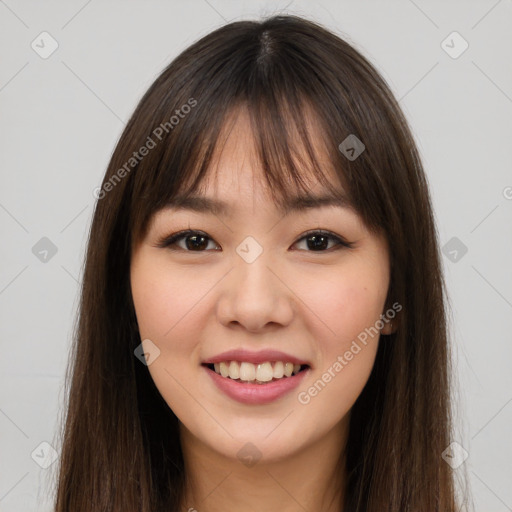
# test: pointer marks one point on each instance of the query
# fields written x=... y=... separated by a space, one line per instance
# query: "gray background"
x=61 y=118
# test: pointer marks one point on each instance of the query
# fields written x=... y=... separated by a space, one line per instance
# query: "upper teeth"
x=263 y=372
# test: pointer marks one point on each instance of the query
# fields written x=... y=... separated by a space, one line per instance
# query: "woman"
x=262 y=322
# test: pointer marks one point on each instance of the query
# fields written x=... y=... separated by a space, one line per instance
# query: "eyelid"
x=169 y=240
x=338 y=238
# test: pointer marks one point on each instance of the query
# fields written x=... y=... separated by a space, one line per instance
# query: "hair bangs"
x=291 y=140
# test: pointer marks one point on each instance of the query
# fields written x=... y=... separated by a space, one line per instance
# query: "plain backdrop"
x=61 y=116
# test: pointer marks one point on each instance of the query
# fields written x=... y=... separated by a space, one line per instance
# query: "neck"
x=311 y=479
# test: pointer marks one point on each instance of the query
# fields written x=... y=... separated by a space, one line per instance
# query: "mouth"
x=245 y=372
x=257 y=383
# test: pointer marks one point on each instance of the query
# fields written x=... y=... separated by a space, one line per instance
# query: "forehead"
x=227 y=207
x=236 y=175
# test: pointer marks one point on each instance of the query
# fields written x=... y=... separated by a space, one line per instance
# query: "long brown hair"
x=120 y=440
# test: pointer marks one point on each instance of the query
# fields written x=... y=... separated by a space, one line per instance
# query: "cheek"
x=348 y=349
x=166 y=308
x=346 y=310
x=163 y=303
x=349 y=302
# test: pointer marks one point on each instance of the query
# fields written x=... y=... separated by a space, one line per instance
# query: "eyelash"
x=171 y=240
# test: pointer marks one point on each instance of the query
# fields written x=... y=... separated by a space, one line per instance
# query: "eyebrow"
x=202 y=204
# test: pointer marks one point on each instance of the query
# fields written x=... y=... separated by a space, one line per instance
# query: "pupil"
x=319 y=241
x=195 y=244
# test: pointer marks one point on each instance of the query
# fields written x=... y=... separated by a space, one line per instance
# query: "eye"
x=196 y=241
x=319 y=239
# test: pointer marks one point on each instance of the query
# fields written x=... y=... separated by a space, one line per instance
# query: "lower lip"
x=248 y=393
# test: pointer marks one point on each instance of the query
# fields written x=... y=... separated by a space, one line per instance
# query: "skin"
x=194 y=304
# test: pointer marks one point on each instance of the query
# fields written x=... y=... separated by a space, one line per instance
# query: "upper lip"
x=261 y=356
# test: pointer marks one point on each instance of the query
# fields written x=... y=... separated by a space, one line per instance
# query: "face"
x=273 y=290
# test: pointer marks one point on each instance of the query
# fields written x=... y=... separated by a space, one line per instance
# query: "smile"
x=251 y=390
x=256 y=373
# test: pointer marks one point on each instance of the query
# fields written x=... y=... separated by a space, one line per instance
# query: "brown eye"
x=195 y=241
x=318 y=241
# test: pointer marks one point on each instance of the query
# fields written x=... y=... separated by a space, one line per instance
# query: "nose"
x=255 y=297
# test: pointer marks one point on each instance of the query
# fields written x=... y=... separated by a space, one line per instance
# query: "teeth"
x=247 y=371
x=278 y=370
x=224 y=371
x=234 y=370
x=263 y=372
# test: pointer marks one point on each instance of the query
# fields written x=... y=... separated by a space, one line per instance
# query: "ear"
x=391 y=324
